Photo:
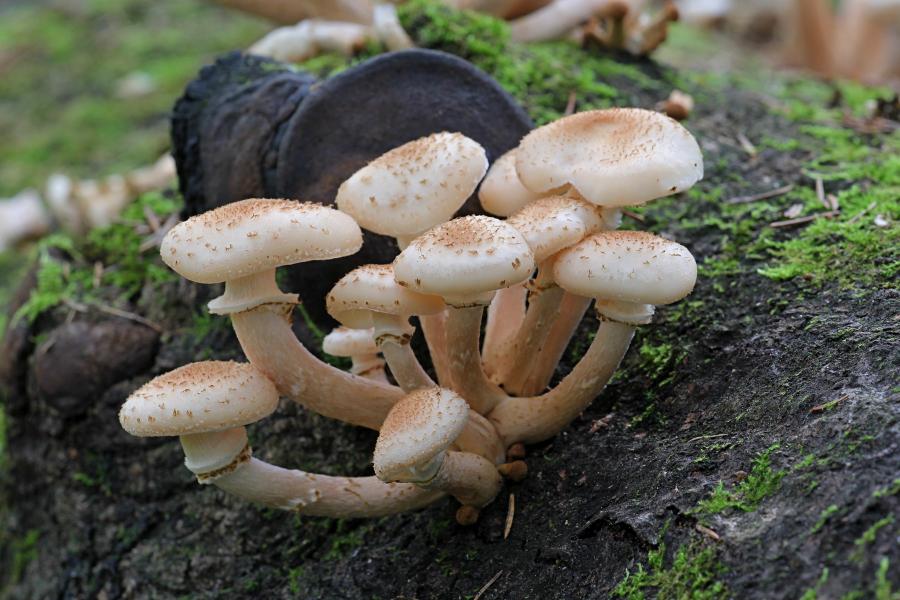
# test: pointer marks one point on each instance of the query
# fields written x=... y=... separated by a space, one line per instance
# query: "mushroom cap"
x=372 y=288
x=343 y=341
x=199 y=398
x=612 y=157
x=501 y=193
x=556 y=222
x=419 y=428
x=415 y=186
x=464 y=259
x=629 y=266
x=250 y=236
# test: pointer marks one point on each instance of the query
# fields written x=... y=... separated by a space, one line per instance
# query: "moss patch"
x=760 y=483
x=693 y=573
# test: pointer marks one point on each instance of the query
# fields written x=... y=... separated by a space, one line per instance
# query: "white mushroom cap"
x=629 y=266
x=465 y=260
x=372 y=288
x=417 y=432
x=247 y=237
x=199 y=398
x=612 y=157
x=553 y=223
x=415 y=186
x=501 y=193
x=343 y=341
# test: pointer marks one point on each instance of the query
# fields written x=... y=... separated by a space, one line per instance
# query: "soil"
x=784 y=392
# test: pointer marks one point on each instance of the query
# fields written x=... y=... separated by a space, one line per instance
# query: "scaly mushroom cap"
x=416 y=433
x=501 y=193
x=553 y=223
x=247 y=237
x=628 y=266
x=199 y=398
x=465 y=260
x=415 y=186
x=612 y=157
x=372 y=288
x=343 y=341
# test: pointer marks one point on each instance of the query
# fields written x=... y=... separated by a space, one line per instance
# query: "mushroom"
x=207 y=405
x=359 y=346
x=413 y=447
x=627 y=272
x=558 y=18
x=368 y=296
x=21 y=217
x=409 y=190
x=310 y=37
x=242 y=244
x=465 y=261
x=387 y=28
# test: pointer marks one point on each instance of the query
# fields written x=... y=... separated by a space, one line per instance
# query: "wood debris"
x=762 y=195
x=804 y=220
x=510 y=515
x=488 y=585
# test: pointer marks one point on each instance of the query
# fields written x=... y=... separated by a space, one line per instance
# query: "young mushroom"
x=628 y=272
x=207 y=405
x=242 y=244
x=465 y=261
x=409 y=190
x=359 y=346
x=413 y=446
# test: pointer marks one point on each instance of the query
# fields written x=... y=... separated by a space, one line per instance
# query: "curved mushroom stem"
x=571 y=311
x=504 y=318
x=368 y=367
x=471 y=479
x=480 y=437
x=538 y=418
x=270 y=345
x=322 y=495
x=555 y=20
x=464 y=358
x=392 y=336
x=434 y=327
x=543 y=308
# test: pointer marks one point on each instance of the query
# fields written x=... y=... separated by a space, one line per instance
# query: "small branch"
x=761 y=196
x=122 y=314
x=860 y=214
x=820 y=193
x=510 y=515
x=803 y=220
x=708 y=532
x=633 y=215
x=707 y=437
x=746 y=145
x=487 y=586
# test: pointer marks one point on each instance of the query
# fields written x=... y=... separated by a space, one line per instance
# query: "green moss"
x=761 y=482
x=883 y=588
x=24 y=550
x=109 y=257
x=892 y=490
x=869 y=536
x=824 y=516
x=694 y=573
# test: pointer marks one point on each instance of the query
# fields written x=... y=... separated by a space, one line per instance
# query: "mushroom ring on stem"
x=207 y=405
x=628 y=272
x=410 y=189
x=413 y=446
x=242 y=244
x=465 y=261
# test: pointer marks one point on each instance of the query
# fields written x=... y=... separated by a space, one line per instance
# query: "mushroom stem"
x=480 y=437
x=531 y=420
x=571 y=311
x=248 y=292
x=369 y=367
x=464 y=358
x=392 y=337
x=471 y=479
x=270 y=345
x=504 y=318
x=388 y=28
x=543 y=307
x=322 y=495
x=554 y=20
x=434 y=328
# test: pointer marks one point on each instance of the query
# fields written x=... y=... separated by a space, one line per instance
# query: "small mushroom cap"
x=612 y=157
x=250 y=236
x=630 y=266
x=464 y=259
x=415 y=186
x=419 y=428
x=343 y=341
x=199 y=398
x=557 y=222
x=372 y=288
x=501 y=193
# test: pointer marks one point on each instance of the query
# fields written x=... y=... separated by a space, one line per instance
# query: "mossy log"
x=747 y=449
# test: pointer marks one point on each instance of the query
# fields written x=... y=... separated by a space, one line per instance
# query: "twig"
x=570 y=105
x=820 y=193
x=486 y=586
x=708 y=532
x=747 y=145
x=707 y=437
x=123 y=314
x=510 y=515
x=859 y=215
x=633 y=215
x=806 y=219
x=761 y=196
x=827 y=405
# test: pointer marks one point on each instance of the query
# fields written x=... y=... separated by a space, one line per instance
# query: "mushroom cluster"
x=459 y=429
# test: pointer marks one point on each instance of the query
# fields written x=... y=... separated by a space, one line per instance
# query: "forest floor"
x=747 y=448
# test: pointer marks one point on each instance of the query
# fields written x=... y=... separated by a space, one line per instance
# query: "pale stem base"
x=504 y=318
x=471 y=479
